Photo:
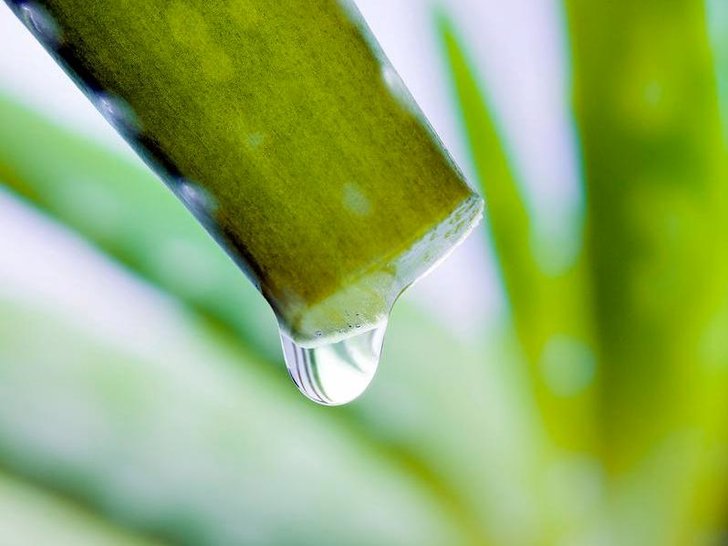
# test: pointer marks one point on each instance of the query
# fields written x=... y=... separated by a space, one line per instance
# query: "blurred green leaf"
x=174 y=439
x=549 y=312
x=550 y=316
x=506 y=217
x=647 y=109
x=31 y=516
x=645 y=304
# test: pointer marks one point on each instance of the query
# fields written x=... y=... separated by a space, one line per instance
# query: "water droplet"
x=335 y=373
x=40 y=22
x=118 y=113
x=197 y=199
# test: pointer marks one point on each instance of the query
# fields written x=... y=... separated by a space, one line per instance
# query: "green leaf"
x=549 y=312
x=507 y=217
x=285 y=131
x=647 y=109
x=31 y=516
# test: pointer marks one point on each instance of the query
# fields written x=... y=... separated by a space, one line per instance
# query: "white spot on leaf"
x=355 y=201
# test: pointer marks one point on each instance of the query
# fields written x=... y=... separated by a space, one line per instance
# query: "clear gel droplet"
x=335 y=373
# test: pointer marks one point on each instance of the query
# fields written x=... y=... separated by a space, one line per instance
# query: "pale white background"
x=521 y=55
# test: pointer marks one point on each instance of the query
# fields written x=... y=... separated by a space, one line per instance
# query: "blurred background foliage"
x=593 y=413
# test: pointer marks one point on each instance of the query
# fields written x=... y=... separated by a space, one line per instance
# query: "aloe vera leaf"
x=647 y=109
x=549 y=312
x=285 y=131
x=29 y=515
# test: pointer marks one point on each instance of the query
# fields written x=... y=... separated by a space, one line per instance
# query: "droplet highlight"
x=41 y=23
x=118 y=113
x=196 y=198
x=335 y=373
